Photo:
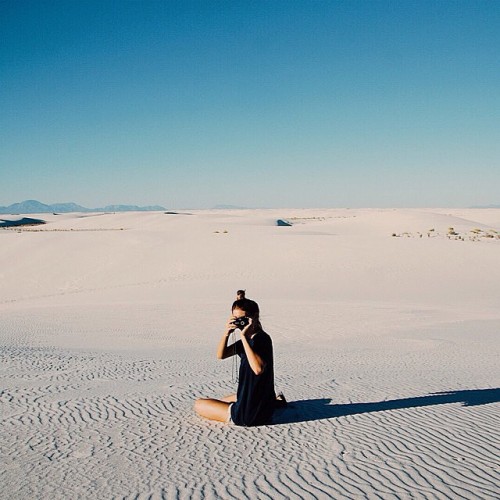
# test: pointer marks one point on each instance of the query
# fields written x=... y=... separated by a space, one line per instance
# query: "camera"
x=240 y=322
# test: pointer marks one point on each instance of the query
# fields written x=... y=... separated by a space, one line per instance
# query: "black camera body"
x=241 y=322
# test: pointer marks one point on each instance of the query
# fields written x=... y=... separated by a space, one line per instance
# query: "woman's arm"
x=256 y=363
x=223 y=350
x=254 y=360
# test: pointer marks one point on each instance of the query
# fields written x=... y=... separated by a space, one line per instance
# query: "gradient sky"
x=190 y=104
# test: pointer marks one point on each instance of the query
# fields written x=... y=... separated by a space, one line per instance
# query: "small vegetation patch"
x=451 y=234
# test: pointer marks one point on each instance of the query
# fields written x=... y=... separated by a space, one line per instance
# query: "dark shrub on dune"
x=25 y=221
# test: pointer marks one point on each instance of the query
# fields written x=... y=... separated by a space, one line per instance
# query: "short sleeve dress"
x=256 y=397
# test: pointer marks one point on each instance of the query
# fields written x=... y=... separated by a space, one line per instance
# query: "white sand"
x=109 y=325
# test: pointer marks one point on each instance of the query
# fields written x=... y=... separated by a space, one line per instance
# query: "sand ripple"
x=63 y=418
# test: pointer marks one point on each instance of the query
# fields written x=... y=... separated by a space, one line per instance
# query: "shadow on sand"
x=318 y=409
x=25 y=221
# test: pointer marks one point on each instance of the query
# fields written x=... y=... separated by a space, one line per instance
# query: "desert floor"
x=385 y=326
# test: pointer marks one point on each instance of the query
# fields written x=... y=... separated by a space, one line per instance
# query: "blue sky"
x=261 y=104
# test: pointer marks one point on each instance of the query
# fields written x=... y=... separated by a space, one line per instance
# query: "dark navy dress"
x=256 y=396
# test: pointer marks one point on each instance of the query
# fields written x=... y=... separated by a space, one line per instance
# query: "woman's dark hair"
x=250 y=307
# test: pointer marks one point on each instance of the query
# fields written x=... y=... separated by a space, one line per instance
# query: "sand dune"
x=386 y=346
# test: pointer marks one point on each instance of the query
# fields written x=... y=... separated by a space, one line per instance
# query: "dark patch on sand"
x=25 y=221
x=282 y=222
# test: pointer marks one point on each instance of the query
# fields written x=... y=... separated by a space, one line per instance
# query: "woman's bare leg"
x=214 y=409
x=229 y=399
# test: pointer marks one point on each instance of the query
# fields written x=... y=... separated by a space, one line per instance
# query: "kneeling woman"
x=255 y=400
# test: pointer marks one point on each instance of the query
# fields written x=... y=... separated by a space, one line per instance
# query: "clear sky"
x=190 y=104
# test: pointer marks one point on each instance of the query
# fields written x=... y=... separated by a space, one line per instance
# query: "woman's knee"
x=213 y=409
x=199 y=406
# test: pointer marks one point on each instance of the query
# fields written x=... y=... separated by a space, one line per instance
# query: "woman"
x=255 y=400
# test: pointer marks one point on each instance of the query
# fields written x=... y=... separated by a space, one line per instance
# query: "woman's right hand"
x=230 y=325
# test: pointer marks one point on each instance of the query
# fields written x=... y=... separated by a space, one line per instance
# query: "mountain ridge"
x=36 y=207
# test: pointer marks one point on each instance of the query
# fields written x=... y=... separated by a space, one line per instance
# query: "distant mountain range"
x=35 y=207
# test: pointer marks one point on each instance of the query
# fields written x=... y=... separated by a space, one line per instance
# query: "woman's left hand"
x=249 y=330
x=252 y=327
